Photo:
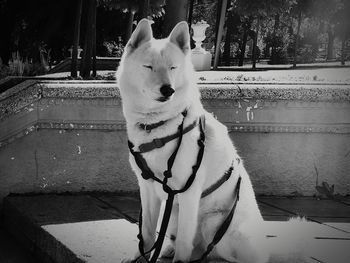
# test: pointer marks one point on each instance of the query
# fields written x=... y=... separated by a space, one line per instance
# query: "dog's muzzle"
x=167 y=91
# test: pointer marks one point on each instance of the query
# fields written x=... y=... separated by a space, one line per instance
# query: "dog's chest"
x=157 y=159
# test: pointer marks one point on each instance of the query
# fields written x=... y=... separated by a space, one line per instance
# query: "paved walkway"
x=101 y=227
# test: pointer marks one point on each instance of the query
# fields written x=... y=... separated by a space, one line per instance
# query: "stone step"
x=101 y=228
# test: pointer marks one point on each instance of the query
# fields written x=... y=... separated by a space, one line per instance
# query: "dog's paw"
x=168 y=252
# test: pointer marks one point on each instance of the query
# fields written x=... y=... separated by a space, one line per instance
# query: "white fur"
x=194 y=221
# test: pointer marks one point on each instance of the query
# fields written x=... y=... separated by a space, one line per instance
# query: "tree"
x=274 y=35
x=341 y=21
x=325 y=11
x=26 y=26
x=144 y=7
x=232 y=28
x=90 y=31
x=175 y=11
x=246 y=25
x=141 y=8
x=76 y=38
x=299 y=8
x=254 y=11
x=255 y=41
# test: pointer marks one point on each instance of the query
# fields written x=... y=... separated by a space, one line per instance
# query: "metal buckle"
x=158 y=143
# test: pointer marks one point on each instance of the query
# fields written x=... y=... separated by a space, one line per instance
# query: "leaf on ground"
x=326 y=190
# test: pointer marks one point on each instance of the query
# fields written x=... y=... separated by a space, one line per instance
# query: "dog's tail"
x=289 y=241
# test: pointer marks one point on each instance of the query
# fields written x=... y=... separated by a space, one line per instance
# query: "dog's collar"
x=160 y=142
x=150 y=127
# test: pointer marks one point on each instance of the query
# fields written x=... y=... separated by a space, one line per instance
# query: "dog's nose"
x=166 y=90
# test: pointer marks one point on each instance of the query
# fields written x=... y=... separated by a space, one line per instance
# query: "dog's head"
x=155 y=71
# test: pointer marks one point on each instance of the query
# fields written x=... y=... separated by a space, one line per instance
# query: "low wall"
x=58 y=136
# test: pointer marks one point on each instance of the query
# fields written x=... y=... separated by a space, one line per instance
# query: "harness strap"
x=160 y=142
x=167 y=174
x=166 y=217
x=224 y=226
x=218 y=183
x=147 y=173
x=163 y=228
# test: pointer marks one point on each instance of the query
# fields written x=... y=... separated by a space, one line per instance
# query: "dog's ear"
x=141 y=34
x=180 y=36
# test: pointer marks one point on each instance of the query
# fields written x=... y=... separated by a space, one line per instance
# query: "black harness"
x=147 y=174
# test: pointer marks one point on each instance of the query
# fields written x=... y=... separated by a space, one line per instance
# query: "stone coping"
x=267 y=91
x=234 y=90
x=31 y=91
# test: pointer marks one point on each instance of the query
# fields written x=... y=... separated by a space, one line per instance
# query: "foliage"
x=26 y=25
x=113 y=48
x=19 y=67
x=155 y=6
x=262 y=8
x=306 y=54
x=341 y=20
x=280 y=41
x=4 y=70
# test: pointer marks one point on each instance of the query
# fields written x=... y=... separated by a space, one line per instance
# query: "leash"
x=147 y=174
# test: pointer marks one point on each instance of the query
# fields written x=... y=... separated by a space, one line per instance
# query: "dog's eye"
x=173 y=67
x=148 y=66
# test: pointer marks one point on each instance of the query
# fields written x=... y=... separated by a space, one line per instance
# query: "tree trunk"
x=275 y=29
x=76 y=39
x=190 y=13
x=94 y=13
x=296 y=44
x=7 y=21
x=144 y=9
x=243 y=46
x=175 y=11
x=227 y=46
x=85 y=68
x=255 y=43
x=129 y=26
x=330 y=48
x=343 y=52
x=220 y=28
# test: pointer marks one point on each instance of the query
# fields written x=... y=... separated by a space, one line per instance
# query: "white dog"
x=159 y=95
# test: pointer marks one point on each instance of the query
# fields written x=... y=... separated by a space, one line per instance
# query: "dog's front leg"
x=187 y=225
x=150 y=203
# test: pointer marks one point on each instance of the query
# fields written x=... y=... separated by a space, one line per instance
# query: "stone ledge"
x=273 y=92
x=263 y=91
x=101 y=227
x=28 y=92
